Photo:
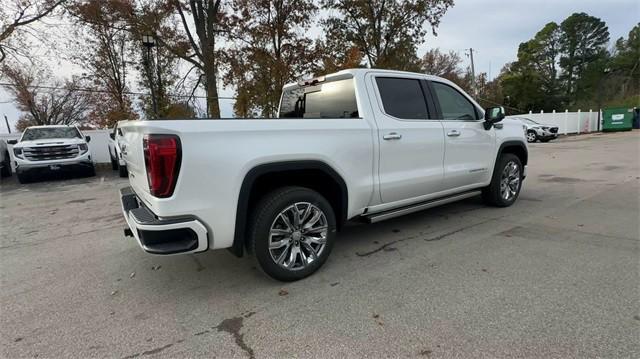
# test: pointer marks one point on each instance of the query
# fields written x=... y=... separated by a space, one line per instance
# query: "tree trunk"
x=210 y=77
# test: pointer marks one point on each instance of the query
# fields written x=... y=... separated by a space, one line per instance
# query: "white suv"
x=51 y=149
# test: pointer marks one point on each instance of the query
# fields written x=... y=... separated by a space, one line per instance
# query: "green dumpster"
x=617 y=119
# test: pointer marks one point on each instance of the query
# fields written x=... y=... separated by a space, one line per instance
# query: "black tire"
x=6 y=166
x=266 y=214
x=532 y=136
x=91 y=171
x=114 y=164
x=23 y=177
x=122 y=171
x=493 y=194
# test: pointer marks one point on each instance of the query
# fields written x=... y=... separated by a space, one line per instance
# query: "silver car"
x=538 y=131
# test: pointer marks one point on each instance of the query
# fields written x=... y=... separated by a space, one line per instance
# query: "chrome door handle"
x=453 y=133
x=392 y=136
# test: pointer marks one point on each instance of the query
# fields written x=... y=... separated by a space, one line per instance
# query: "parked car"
x=52 y=149
x=538 y=131
x=359 y=144
x=117 y=163
x=5 y=160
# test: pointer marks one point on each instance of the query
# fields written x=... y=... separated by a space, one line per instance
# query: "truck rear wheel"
x=122 y=170
x=114 y=164
x=292 y=232
x=506 y=182
x=6 y=166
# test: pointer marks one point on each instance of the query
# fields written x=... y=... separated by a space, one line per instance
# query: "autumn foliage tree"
x=103 y=48
x=59 y=104
x=387 y=32
x=16 y=17
x=159 y=74
x=274 y=50
x=438 y=63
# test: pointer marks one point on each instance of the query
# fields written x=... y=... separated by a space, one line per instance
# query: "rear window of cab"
x=331 y=99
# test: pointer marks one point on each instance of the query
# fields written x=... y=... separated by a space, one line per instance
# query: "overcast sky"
x=493 y=28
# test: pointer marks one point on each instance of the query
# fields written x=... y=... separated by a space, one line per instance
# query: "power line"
x=79 y=89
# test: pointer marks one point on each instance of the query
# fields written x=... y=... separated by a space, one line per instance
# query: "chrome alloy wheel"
x=298 y=236
x=531 y=137
x=510 y=181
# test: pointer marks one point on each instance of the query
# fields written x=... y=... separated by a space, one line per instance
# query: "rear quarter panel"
x=217 y=155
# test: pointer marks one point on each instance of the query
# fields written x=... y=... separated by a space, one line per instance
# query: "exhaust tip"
x=127 y=232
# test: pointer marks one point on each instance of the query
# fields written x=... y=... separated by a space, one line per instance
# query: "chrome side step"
x=377 y=217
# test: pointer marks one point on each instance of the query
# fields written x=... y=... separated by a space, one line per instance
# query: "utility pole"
x=6 y=120
x=473 y=73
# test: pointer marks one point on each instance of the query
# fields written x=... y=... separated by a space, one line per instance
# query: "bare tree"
x=104 y=51
x=438 y=63
x=58 y=104
x=18 y=14
x=193 y=37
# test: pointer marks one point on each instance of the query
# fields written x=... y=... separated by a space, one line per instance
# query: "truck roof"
x=362 y=71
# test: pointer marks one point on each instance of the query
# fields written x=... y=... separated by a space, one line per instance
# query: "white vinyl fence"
x=567 y=122
x=98 y=144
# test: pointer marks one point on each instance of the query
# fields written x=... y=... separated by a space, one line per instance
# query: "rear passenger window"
x=453 y=104
x=402 y=98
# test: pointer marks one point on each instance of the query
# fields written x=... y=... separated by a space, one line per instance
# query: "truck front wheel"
x=506 y=182
x=291 y=233
x=23 y=177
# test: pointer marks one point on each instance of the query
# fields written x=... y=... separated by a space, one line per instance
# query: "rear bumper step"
x=175 y=235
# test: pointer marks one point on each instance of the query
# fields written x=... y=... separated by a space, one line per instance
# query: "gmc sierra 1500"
x=358 y=144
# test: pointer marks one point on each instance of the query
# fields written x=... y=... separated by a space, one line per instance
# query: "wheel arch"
x=263 y=178
x=517 y=148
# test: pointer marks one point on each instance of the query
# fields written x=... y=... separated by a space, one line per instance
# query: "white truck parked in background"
x=360 y=144
x=115 y=154
x=52 y=148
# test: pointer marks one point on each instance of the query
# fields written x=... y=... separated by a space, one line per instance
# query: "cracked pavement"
x=556 y=275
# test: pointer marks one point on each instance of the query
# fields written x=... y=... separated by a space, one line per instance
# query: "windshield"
x=335 y=99
x=31 y=134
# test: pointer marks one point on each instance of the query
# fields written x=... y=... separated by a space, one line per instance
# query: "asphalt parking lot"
x=556 y=275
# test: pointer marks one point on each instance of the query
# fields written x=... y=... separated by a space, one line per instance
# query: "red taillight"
x=162 y=159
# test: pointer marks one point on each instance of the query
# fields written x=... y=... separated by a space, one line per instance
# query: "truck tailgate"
x=133 y=155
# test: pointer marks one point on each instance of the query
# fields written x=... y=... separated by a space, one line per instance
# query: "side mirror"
x=12 y=142
x=112 y=135
x=493 y=115
x=87 y=138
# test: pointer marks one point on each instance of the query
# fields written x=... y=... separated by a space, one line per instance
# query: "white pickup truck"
x=359 y=144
